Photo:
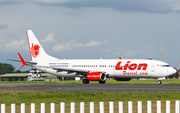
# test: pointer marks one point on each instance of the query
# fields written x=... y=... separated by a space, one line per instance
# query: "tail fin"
x=36 y=50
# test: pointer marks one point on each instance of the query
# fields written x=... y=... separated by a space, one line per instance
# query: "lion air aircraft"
x=94 y=69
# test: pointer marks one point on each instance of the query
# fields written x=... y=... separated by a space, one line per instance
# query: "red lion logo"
x=35 y=50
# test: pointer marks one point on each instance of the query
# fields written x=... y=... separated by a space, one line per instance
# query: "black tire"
x=85 y=81
x=102 y=82
x=159 y=82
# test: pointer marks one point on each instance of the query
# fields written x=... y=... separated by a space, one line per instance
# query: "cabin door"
x=153 y=67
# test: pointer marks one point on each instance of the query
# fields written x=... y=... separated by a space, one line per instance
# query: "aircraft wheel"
x=159 y=82
x=85 y=81
x=102 y=82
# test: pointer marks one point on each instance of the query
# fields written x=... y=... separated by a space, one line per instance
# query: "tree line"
x=8 y=68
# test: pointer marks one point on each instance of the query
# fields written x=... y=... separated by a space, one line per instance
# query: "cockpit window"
x=165 y=65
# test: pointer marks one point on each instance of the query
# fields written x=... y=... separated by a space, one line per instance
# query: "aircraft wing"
x=68 y=70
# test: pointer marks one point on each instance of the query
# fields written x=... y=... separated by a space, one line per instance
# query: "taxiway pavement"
x=117 y=88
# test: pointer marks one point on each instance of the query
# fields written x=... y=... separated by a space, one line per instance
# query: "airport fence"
x=92 y=110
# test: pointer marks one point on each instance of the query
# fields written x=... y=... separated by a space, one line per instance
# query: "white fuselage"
x=114 y=68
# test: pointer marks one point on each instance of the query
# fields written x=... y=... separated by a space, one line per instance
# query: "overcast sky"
x=89 y=29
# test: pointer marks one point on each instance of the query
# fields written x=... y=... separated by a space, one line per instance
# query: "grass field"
x=28 y=97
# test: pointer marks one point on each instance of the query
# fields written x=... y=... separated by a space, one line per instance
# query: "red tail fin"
x=22 y=60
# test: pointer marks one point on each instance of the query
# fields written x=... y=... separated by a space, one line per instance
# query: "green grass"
x=28 y=97
x=149 y=81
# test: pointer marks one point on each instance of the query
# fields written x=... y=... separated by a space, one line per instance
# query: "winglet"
x=22 y=60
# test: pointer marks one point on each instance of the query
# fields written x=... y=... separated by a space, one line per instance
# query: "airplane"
x=94 y=69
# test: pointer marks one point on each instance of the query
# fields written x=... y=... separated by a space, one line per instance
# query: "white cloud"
x=59 y=47
x=16 y=45
x=92 y=44
x=74 y=44
x=89 y=44
x=49 y=38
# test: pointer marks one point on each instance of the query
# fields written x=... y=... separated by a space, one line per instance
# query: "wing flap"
x=69 y=70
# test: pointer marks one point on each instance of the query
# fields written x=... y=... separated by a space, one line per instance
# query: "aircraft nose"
x=173 y=70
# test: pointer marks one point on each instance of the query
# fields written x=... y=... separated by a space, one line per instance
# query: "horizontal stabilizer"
x=23 y=62
x=20 y=61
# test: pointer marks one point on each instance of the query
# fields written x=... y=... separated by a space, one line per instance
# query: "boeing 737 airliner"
x=94 y=69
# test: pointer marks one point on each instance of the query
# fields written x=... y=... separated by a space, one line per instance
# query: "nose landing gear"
x=159 y=82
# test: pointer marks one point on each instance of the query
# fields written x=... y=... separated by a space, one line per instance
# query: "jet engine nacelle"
x=96 y=76
x=122 y=79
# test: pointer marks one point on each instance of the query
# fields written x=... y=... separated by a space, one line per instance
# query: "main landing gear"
x=159 y=82
x=86 y=81
x=102 y=82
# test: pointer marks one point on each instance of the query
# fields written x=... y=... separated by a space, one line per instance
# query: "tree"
x=18 y=71
x=6 y=68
